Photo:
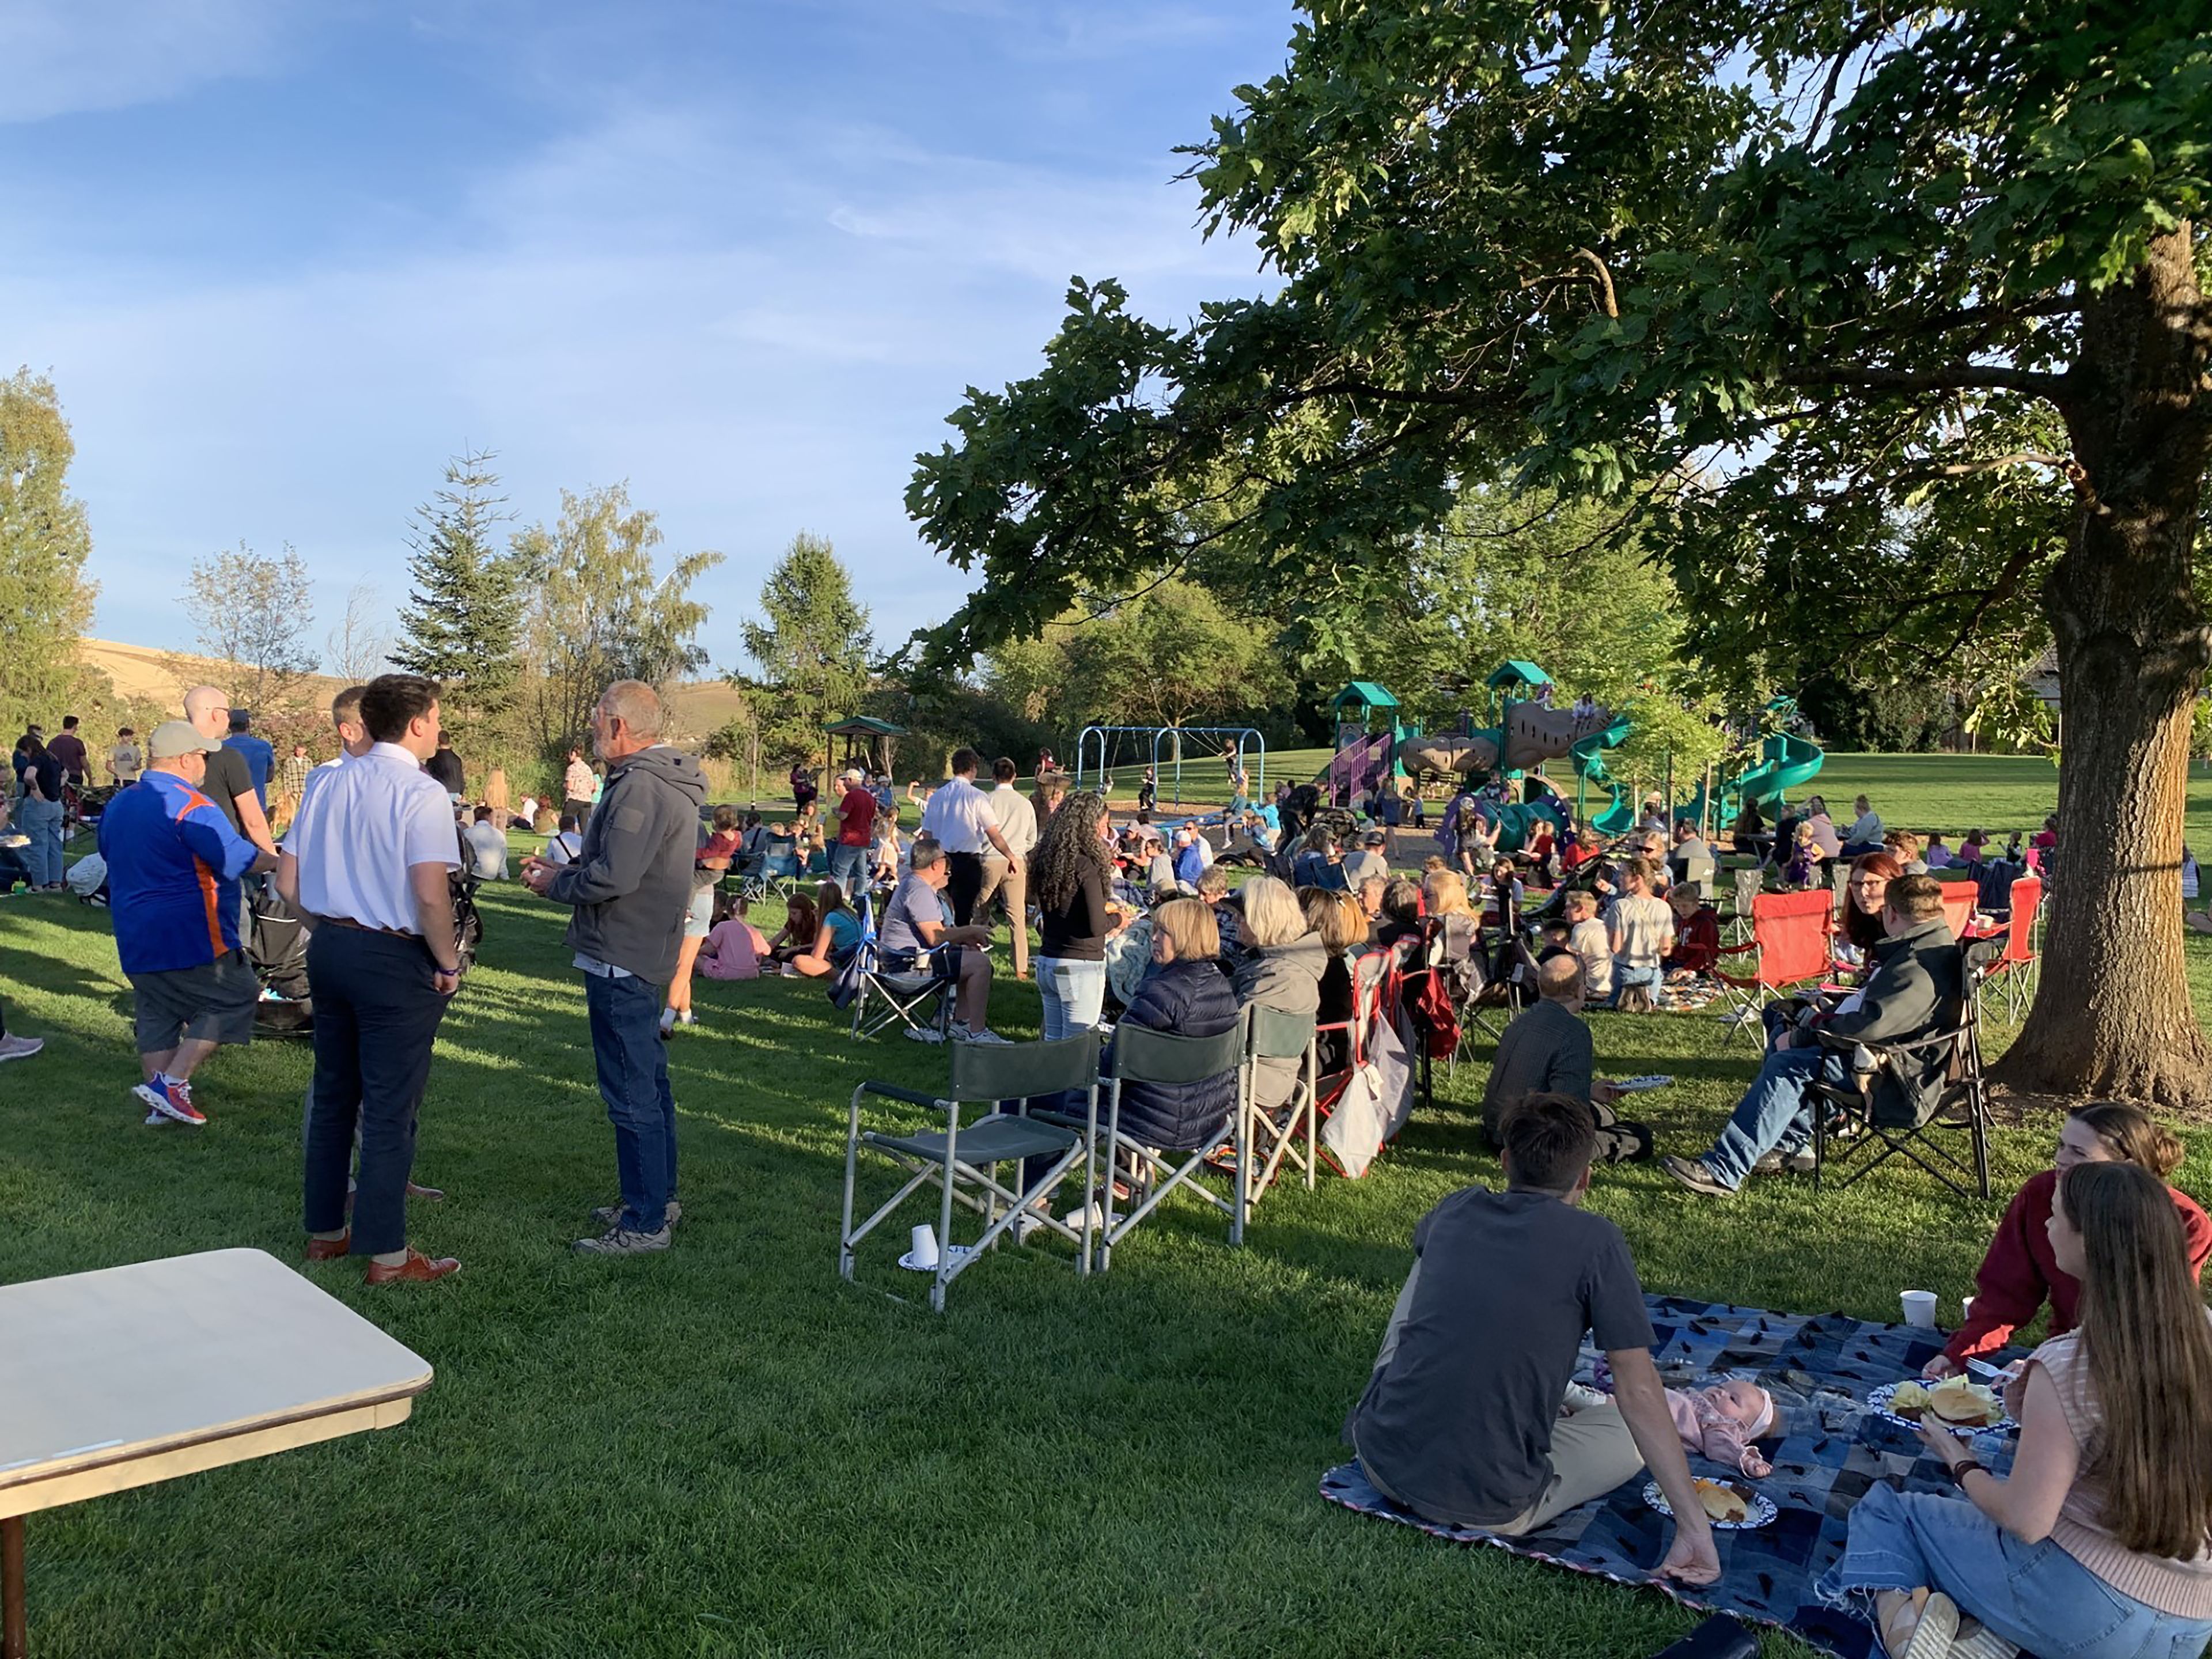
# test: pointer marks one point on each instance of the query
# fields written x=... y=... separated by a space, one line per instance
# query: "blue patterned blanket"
x=1826 y=1451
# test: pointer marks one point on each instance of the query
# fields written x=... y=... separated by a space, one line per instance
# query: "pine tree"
x=462 y=624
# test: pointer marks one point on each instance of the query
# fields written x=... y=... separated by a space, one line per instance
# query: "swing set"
x=1105 y=742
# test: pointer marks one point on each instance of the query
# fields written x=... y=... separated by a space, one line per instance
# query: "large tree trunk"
x=2112 y=1015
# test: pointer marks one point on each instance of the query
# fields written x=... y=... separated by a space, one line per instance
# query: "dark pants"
x=376 y=1015
x=633 y=1065
x=578 y=808
x=965 y=881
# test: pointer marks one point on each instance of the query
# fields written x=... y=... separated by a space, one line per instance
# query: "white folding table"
x=128 y=1375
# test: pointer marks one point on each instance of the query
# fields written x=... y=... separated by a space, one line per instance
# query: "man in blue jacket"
x=174 y=864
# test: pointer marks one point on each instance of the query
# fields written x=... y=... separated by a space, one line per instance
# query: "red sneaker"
x=172 y=1100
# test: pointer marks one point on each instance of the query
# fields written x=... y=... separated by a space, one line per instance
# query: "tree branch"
x=1961 y=376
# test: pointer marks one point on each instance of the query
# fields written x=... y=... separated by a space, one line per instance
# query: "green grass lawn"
x=724 y=1451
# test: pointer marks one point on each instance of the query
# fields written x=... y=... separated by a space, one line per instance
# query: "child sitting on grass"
x=1697 y=934
x=1639 y=931
x=1586 y=938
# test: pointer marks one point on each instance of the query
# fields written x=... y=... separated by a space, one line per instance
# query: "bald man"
x=228 y=784
x=1548 y=1048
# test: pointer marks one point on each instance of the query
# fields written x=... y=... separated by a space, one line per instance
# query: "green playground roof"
x=865 y=725
x=1516 y=672
x=1364 y=691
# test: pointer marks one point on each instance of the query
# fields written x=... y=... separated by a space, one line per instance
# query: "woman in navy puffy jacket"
x=1185 y=993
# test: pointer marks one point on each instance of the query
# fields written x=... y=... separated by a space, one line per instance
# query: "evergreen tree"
x=812 y=647
x=45 y=602
x=462 y=626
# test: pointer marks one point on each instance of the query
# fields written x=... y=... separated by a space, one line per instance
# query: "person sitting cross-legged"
x=1547 y=1050
x=1471 y=1416
x=1914 y=986
x=916 y=920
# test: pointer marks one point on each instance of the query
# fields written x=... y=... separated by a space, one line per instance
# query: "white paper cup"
x=1919 y=1308
x=1965 y=1307
x=925 y=1246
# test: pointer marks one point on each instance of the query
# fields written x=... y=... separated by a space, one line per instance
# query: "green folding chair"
x=1144 y=1055
x=964 y=1159
x=1273 y=1135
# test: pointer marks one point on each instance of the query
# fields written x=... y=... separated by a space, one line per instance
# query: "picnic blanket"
x=1830 y=1450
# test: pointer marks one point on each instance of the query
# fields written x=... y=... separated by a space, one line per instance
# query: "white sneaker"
x=924 y=1034
x=667 y=1021
x=20 y=1047
x=986 y=1036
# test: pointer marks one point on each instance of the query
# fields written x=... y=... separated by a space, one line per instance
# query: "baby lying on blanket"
x=1722 y=1421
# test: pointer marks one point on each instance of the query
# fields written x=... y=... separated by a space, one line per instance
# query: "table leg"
x=15 y=1613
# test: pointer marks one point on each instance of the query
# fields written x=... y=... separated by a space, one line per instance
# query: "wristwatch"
x=1959 y=1471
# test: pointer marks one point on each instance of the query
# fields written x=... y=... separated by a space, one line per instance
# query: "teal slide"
x=1589 y=759
x=1788 y=763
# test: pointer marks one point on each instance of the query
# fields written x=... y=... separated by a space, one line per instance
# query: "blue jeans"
x=2035 y=1596
x=1772 y=1113
x=633 y=1066
x=846 y=866
x=42 y=820
x=1074 y=995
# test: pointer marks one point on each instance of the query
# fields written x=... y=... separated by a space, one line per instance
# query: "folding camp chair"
x=1144 y=1055
x=964 y=1159
x=911 y=993
x=780 y=871
x=748 y=876
x=2014 y=974
x=1959 y=902
x=1962 y=1104
x=1789 y=945
x=1506 y=974
x=1273 y=1135
x=1747 y=883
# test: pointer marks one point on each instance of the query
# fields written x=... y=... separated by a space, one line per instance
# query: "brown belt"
x=364 y=927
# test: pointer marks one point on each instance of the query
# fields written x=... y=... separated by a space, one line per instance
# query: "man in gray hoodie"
x=631 y=886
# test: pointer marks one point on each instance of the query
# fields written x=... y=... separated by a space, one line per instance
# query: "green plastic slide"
x=1589 y=759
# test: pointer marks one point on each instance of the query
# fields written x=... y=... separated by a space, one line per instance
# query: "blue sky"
x=283 y=257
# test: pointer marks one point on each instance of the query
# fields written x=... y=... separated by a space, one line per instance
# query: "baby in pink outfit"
x=1722 y=1421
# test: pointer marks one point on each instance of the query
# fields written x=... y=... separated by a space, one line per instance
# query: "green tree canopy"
x=46 y=601
x=1889 y=323
x=812 y=646
x=597 y=610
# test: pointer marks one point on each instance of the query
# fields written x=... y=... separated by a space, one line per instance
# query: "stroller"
x=276 y=950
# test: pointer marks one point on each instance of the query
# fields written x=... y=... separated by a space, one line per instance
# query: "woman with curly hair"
x=1072 y=880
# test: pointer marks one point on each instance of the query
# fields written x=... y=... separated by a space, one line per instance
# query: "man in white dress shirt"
x=959 y=819
x=1003 y=880
x=367 y=862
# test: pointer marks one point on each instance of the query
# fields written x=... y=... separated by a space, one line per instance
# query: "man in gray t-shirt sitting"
x=914 y=922
x=1472 y=1416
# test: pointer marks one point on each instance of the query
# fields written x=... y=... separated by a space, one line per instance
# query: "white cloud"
x=61 y=56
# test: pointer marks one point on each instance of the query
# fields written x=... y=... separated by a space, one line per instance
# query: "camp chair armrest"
x=912 y=1097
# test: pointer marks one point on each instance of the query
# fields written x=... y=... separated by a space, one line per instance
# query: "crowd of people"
x=2097 y=1524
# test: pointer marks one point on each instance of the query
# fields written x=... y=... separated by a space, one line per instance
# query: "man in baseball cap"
x=173 y=865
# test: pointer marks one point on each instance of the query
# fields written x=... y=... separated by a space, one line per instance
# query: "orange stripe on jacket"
x=208 y=888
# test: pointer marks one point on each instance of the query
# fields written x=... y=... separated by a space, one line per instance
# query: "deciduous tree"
x=46 y=601
x=1793 y=281
x=256 y=611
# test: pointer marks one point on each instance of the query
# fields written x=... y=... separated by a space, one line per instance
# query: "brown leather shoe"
x=428 y=1195
x=329 y=1250
x=418 y=1269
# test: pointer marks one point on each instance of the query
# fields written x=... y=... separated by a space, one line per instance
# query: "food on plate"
x=1910 y=1397
x=1721 y=1502
x=1964 y=1402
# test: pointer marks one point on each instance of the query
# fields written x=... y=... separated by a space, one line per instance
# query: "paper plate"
x=1878 y=1402
x=1629 y=1085
x=954 y=1252
x=1762 y=1508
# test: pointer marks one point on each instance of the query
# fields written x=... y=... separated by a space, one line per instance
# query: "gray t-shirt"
x=1456 y=1424
x=1547 y=1049
x=915 y=900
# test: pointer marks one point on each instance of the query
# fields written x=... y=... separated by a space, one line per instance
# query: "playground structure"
x=1786 y=762
x=1105 y=742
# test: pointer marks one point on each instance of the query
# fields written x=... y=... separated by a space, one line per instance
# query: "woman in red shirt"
x=2020 y=1275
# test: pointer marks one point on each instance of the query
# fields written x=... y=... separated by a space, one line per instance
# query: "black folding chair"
x=1844 y=1112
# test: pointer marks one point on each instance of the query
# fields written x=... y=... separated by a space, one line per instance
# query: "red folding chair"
x=2014 y=973
x=1959 y=899
x=1788 y=948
